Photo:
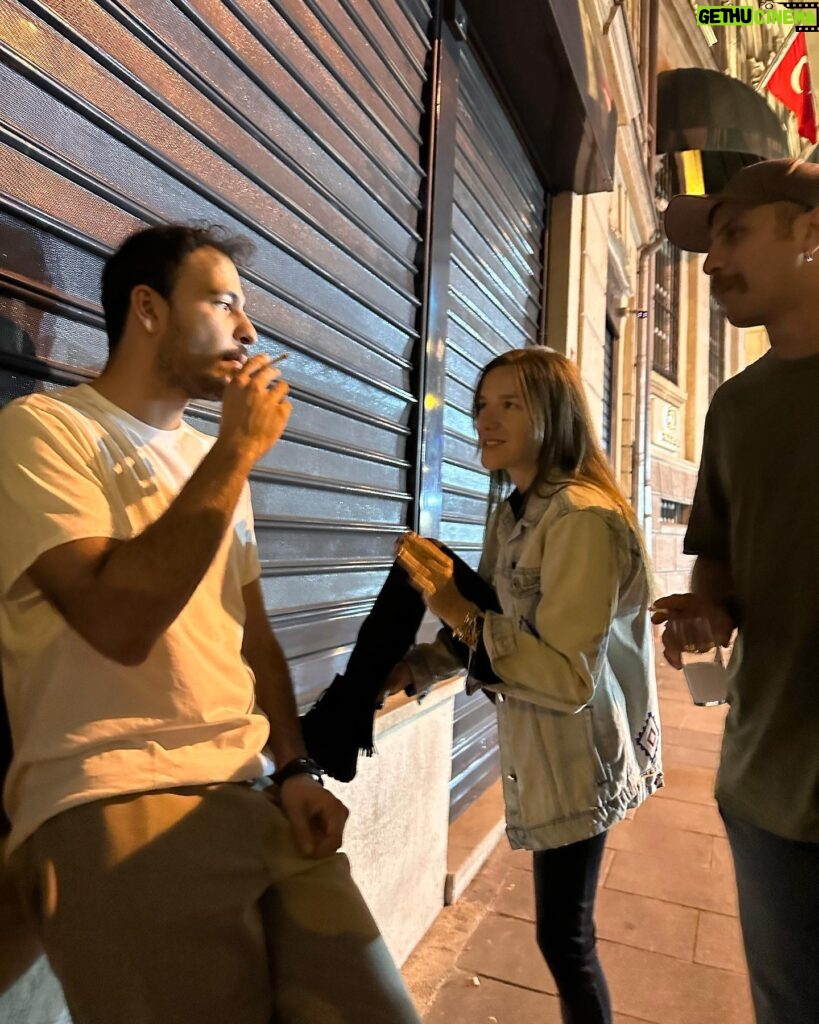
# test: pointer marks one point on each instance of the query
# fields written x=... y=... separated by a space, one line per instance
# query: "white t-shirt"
x=73 y=465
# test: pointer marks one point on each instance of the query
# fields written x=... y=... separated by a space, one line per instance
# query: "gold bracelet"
x=469 y=631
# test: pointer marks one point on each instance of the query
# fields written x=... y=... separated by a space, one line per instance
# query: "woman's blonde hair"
x=556 y=402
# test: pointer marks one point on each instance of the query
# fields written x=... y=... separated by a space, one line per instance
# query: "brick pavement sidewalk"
x=666 y=913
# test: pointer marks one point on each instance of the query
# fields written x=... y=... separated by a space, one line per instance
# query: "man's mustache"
x=721 y=284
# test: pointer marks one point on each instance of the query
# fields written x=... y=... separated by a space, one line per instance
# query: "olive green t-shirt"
x=756 y=507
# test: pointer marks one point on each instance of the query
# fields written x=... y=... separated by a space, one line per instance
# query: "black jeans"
x=565 y=889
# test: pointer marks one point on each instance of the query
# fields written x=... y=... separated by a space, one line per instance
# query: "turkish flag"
x=790 y=83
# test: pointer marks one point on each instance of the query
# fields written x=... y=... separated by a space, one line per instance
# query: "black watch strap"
x=298 y=766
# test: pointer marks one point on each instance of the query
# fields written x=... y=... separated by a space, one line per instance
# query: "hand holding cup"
x=701 y=656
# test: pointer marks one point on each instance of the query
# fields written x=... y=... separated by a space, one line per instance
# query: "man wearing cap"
x=754 y=528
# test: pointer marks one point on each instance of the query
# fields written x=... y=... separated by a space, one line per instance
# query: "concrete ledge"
x=471 y=839
x=396 y=836
x=400 y=709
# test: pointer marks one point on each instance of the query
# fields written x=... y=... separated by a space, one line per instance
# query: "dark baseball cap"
x=688 y=218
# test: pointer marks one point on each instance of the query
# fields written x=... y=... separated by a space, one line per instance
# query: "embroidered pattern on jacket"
x=648 y=738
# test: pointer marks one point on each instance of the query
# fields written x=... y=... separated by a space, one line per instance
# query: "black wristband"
x=299 y=766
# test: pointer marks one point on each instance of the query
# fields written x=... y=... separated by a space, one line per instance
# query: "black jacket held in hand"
x=340 y=723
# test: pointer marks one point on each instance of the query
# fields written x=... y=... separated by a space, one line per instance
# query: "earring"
x=807 y=257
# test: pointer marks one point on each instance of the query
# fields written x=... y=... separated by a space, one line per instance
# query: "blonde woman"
x=567 y=655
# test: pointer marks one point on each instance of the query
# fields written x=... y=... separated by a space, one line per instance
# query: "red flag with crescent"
x=790 y=82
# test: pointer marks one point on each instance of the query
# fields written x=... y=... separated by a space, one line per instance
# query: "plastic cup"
x=702 y=661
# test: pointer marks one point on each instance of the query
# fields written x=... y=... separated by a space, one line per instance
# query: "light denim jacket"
x=577 y=703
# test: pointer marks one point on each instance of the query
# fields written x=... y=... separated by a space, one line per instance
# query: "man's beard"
x=178 y=371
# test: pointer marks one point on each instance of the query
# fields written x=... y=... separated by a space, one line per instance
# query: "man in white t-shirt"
x=145 y=687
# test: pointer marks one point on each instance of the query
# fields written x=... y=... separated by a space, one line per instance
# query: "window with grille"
x=675 y=512
x=666 y=292
x=716 y=346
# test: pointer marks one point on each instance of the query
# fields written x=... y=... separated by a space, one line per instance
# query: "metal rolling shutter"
x=495 y=300
x=293 y=122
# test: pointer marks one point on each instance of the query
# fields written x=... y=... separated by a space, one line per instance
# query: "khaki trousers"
x=193 y=906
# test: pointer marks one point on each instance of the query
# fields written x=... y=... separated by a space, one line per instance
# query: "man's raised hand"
x=255 y=408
